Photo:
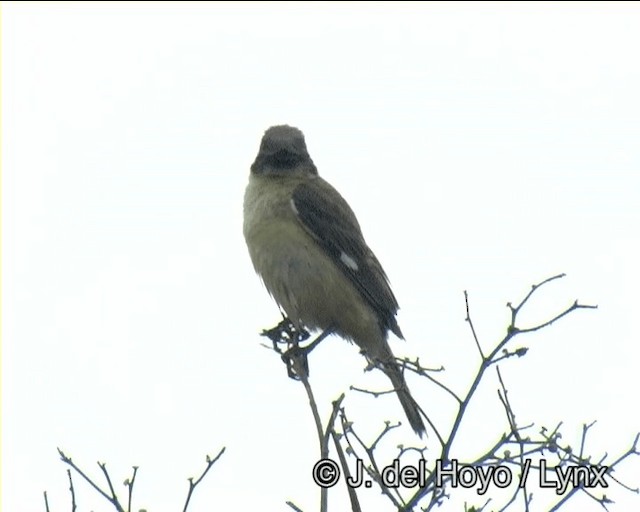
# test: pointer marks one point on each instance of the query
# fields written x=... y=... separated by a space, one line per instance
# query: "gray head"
x=282 y=151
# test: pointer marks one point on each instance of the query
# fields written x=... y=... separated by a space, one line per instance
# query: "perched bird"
x=306 y=244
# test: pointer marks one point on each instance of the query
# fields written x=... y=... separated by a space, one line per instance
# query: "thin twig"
x=486 y=361
x=300 y=370
x=297 y=366
x=511 y=417
x=129 y=484
x=72 y=491
x=192 y=484
x=373 y=470
x=375 y=394
x=112 y=499
x=514 y=311
x=585 y=430
x=103 y=467
x=473 y=330
x=573 y=307
x=330 y=425
x=353 y=497
x=299 y=363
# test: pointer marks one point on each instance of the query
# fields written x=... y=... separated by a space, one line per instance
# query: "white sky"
x=483 y=147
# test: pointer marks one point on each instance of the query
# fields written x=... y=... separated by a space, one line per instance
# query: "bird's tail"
x=409 y=405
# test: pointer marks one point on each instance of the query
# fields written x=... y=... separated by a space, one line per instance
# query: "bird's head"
x=283 y=151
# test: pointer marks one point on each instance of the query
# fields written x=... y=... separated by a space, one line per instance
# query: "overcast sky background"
x=483 y=148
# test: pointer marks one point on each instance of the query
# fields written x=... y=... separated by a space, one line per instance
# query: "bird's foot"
x=295 y=356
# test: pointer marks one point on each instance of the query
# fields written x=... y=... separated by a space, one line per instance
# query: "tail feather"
x=410 y=406
x=379 y=354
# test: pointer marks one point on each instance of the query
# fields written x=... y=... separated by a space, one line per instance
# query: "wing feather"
x=327 y=217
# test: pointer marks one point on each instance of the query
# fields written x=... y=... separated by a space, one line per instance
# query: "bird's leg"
x=316 y=342
x=295 y=356
x=285 y=333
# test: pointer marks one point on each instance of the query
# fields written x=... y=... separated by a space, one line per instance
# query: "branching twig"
x=331 y=425
x=496 y=355
x=193 y=485
x=299 y=364
x=372 y=469
x=515 y=449
x=113 y=499
x=295 y=358
x=103 y=467
x=353 y=497
x=503 y=395
x=129 y=484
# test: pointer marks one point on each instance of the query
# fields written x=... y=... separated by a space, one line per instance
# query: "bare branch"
x=330 y=425
x=103 y=467
x=193 y=485
x=473 y=330
x=111 y=499
x=571 y=308
x=353 y=497
x=129 y=484
x=517 y=448
x=515 y=310
x=498 y=354
x=294 y=507
x=72 y=491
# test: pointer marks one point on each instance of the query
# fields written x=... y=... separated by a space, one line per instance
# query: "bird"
x=307 y=246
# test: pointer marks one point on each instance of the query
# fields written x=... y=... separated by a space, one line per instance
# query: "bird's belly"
x=305 y=282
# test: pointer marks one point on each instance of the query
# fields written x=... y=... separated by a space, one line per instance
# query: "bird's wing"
x=327 y=217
